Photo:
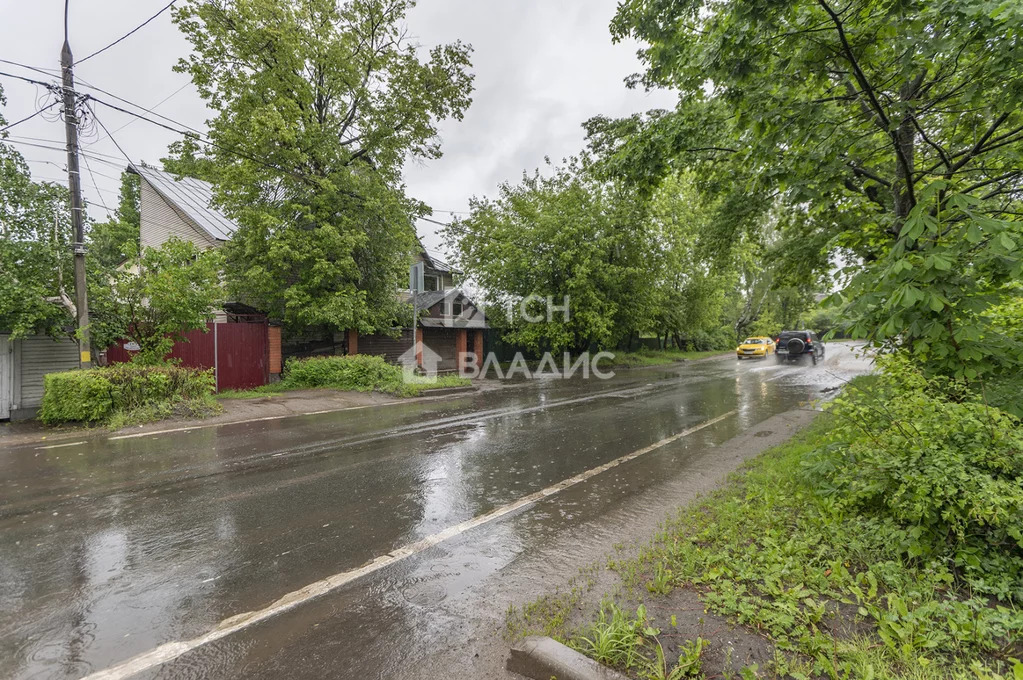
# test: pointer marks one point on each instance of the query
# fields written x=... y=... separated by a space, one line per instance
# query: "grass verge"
x=833 y=587
x=660 y=357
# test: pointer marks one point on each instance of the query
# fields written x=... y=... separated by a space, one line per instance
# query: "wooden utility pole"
x=67 y=63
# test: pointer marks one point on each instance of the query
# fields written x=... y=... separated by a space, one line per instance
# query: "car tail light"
x=777 y=340
x=809 y=341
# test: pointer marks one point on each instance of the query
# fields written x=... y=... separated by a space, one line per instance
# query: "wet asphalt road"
x=111 y=548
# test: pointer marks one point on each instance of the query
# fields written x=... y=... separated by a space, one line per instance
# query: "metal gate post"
x=216 y=360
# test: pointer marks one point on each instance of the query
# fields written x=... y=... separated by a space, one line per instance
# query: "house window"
x=430 y=283
x=456 y=309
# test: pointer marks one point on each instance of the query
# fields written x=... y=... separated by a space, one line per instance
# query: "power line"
x=96 y=118
x=53 y=72
x=138 y=106
x=200 y=139
x=28 y=117
x=95 y=184
x=155 y=106
x=29 y=80
x=119 y=165
x=129 y=33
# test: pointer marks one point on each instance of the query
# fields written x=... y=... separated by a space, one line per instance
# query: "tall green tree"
x=689 y=287
x=561 y=234
x=317 y=104
x=894 y=127
x=36 y=273
x=113 y=242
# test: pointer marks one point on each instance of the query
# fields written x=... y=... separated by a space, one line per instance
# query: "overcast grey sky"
x=542 y=67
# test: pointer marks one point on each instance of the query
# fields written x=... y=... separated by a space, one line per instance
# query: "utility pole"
x=67 y=63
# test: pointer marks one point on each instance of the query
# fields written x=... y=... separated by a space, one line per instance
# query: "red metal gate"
x=242 y=355
x=238 y=353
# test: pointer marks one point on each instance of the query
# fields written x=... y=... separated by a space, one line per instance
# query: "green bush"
x=98 y=394
x=359 y=372
x=76 y=396
x=945 y=467
x=362 y=373
x=718 y=339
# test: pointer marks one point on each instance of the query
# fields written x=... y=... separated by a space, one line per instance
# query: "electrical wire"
x=128 y=34
x=192 y=133
x=53 y=72
x=28 y=117
x=98 y=157
x=155 y=106
x=27 y=80
x=93 y=112
x=199 y=138
x=90 y=86
x=95 y=184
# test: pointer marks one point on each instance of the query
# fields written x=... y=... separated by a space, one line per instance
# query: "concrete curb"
x=446 y=391
x=543 y=658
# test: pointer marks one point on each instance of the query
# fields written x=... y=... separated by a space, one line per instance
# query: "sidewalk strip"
x=172 y=650
x=189 y=428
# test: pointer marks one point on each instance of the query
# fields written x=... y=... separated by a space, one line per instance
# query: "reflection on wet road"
x=111 y=548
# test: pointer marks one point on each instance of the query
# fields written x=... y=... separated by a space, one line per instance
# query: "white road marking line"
x=60 y=446
x=172 y=650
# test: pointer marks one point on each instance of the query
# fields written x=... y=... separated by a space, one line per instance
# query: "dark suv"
x=790 y=345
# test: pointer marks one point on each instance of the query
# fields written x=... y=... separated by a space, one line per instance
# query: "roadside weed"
x=661 y=583
x=615 y=640
x=689 y=664
x=879 y=582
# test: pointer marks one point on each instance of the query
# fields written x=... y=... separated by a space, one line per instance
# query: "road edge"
x=751 y=443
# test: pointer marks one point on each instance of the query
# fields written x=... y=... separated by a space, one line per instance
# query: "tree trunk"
x=904 y=139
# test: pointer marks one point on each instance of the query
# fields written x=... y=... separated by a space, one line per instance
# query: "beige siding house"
x=179 y=207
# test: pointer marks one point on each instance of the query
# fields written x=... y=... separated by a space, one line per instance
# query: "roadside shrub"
x=947 y=468
x=76 y=396
x=718 y=339
x=362 y=373
x=100 y=394
x=359 y=372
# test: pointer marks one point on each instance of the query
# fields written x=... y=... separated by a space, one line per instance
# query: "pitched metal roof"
x=429 y=298
x=191 y=196
x=439 y=264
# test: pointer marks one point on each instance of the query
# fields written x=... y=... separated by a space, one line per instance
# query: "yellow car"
x=755 y=347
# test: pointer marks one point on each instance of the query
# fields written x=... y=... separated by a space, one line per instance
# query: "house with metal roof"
x=183 y=207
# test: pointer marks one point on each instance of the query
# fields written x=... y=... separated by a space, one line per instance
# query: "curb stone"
x=543 y=658
x=445 y=391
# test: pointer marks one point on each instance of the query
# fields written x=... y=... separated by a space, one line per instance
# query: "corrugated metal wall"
x=40 y=355
x=443 y=342
x=243 y=355
x=239 y=351
x=390 y=349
